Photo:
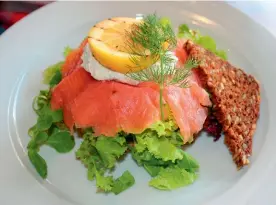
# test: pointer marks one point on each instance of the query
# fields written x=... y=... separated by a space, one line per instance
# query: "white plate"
x=38 y=41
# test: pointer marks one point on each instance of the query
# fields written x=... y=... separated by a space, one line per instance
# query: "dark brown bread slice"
x=236 y=99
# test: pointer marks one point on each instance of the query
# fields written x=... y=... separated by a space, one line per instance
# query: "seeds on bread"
x=236 y=99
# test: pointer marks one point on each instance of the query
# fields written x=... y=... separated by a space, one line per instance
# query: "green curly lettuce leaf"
x=51 y=72
x=172 y=178
x=158 y=150
x=161 y=141
x=206 y=42
x=99 y=155
x=123 y=182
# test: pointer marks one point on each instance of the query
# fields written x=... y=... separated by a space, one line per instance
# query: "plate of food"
x=136 y=102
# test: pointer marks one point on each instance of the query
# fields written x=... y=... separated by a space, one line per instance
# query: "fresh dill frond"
x=152 y=39
x=150 y=35
x=149 y=40
x=191 y=63
x=180 y=75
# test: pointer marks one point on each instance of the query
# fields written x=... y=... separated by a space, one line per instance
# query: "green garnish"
x=47 y=131
x=172 y=178
x=51 y=71
x=155 y=37
x=123 y=182
x=49 y=128
x=38 y=140
x=158 y=150
x=104 y=183
x=55 y=79
x=38 y=162
x=99 y=155
x=206 y=42
x=159 y=146
x=44 y=122
x=66 y=51
x=153 y=170
x=62 y=141
x=188 y=163
x=110 y=150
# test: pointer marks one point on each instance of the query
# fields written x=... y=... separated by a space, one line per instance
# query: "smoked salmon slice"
x=136 y=108
x=187 y=109
x=74 y=80
x=188 y=105
x=69 y=88
x=66 y=91
x=73 y=60
x=93 y=108
x=110 y=107
x=68 y=118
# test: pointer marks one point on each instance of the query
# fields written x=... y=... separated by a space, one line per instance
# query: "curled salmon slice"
x=73 y=60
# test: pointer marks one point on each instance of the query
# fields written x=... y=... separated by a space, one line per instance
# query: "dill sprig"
x=180 y=75
x=152 y=40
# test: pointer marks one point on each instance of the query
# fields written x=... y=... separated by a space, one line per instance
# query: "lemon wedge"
x=107 y=41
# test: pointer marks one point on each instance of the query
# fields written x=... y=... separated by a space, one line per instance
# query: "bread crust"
x=236 y=99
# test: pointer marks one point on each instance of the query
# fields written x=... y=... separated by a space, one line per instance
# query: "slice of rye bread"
x=236 y=99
